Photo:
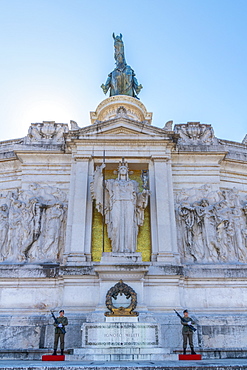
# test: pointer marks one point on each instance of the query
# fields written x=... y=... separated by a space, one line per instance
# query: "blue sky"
x=189 y=55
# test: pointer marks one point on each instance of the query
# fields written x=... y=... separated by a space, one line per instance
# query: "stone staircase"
x=122 y=354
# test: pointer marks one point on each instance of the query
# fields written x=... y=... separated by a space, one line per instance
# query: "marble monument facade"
x=191 y=234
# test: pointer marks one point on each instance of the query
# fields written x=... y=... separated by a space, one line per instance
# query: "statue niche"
x=122 y=205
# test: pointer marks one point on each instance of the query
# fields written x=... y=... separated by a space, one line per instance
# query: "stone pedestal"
x=109 y=257
x=121 y=338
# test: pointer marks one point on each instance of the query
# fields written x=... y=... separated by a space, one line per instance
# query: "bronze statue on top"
x=122 y=80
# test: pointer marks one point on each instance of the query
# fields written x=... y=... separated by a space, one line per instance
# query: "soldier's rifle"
x=56 y=322
x=183 y=319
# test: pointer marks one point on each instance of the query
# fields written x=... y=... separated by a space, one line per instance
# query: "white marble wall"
x=198 y=229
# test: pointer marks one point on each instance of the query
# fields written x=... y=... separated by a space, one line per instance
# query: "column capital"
x=160 y=158
x=81 y=157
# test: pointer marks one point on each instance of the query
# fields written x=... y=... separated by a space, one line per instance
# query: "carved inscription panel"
x=120 y=334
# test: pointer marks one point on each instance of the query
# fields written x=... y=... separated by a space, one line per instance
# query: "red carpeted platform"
x=189 y=357
x=53 y=358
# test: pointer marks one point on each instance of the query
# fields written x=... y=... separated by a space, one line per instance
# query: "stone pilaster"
x=164 y=241
x=78 y=213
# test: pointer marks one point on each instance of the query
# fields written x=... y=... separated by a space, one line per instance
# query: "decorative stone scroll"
x=195 y=133
x=32 y=224
x=46 y=132
x=121 y=288
x=212 y=225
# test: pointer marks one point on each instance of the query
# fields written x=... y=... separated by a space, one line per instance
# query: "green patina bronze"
x=122 y=80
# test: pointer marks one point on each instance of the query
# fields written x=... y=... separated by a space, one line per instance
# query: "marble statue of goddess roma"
x=123 y=207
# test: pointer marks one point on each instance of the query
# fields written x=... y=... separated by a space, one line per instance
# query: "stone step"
x=27 y=354
x=218 y=353
x=121 y=354
x=122 y=357
x=119 y=350
x=126 y=365
x=157 y=354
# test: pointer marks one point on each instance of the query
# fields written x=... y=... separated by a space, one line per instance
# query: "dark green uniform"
x=187 y=333
x=58 y=332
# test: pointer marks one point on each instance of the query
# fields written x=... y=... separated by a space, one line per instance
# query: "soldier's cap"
x=185 y=311
x=61 y=311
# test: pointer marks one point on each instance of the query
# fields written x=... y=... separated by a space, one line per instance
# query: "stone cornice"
x=160 y=158
x=81 y=157
x=100 y=129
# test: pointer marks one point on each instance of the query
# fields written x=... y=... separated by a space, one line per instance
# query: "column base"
x=168 y=257
x=75 y=259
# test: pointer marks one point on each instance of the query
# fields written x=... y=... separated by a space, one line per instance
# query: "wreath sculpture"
x=121 y=288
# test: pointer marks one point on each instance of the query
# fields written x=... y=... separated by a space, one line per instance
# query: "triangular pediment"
x=122 y=131
x=123 y=128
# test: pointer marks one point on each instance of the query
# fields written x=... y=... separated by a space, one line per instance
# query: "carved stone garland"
x=121 y=288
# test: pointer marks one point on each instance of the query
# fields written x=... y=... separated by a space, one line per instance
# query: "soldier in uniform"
x=62 y=322
x=187 y=332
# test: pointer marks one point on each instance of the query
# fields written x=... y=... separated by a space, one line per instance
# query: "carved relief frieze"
x=32 y=224
x=212 y=225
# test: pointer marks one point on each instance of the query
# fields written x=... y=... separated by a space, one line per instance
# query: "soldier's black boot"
x=54 y=352
x=61 y=352
x=192 y=351
x=184 y=351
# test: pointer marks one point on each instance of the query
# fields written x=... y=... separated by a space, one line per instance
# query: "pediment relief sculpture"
x=195 y=133
x=46 y=132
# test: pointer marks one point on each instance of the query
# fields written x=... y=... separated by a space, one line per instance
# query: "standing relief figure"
x=52 y=231
x=186 y=214
x=225 y=232
x=244 y=230
x=15 y=229
x=4 y=226
x=206 y=212
x=123 y=207
x=31 y=217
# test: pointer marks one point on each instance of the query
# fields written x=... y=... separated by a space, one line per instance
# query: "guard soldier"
x=60 y=323
x=187 y=332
